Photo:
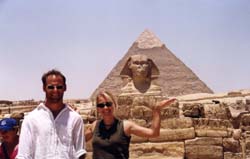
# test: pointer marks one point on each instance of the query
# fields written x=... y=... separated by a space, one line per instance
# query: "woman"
x=111 y=136
x=10 y=138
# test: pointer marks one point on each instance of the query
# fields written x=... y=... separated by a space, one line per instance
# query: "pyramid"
x=175 y=77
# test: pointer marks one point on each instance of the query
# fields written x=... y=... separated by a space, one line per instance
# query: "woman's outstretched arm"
x=154 y=131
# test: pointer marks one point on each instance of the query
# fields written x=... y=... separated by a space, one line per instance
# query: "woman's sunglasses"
x=102 y=105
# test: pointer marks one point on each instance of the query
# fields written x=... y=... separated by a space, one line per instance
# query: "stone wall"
x=209 y=126
x=196 y=127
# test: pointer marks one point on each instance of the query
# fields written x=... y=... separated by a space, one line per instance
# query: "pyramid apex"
x=148 y=40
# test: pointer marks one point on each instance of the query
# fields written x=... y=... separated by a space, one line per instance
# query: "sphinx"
x=138 y=72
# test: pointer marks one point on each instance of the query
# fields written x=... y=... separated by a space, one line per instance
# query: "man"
x=53 y=130
x=8 y=133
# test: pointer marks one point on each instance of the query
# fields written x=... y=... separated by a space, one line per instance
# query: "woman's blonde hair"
x=107 y=95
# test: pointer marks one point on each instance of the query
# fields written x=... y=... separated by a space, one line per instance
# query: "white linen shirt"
x=43 y=137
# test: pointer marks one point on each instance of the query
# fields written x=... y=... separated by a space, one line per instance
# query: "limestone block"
x=231 y=145
x=16 y=109
x=140 y=122
x=237 y=108
x=154 y=156
x=245 y=128
x=164 y=150
x=170 y=112
x=174 y=135
x=248 y=107
x=247 y=104
x=245 y=120
x=212 y=123
x=217 y=111
x=203 y=152
x=237 y=134
x=176 y=123
x=84 y=111
x=247 y=101
x=141 y=112
x=193 y=110
x=212 y=133
x=137 y=139
x=247 y=154
x=217 y=141
x=205 y=127
x=140 y=107
x=247 y=142
x=123 y=112
x=125 y=100
x=146 y=100
x=230 y=155
x=234 y=94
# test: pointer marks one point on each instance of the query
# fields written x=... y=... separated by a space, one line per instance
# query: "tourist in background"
x=10 y=138
x=111 y=136
x=18 y=116
x=53 y=129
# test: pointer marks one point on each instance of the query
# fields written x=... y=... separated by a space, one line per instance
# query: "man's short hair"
x=53 y=72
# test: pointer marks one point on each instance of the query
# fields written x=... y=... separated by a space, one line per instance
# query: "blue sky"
x=85 y=40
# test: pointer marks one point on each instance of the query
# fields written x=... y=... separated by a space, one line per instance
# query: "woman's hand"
x=164 y=103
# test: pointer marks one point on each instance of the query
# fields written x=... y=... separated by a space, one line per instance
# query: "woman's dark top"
x=110 y=143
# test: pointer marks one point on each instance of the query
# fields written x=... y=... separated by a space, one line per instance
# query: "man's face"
x=139 y=66
x=54 y=88
x=8 y=136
